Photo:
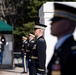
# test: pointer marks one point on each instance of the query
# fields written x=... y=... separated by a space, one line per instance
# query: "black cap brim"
x=57 y=18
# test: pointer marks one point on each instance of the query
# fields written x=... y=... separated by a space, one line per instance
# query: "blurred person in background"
x=23 y=54
x=29 y=51
x=2 y=44
x=63 y=61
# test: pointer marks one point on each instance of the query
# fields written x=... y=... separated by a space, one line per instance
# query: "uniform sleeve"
x=26 y=44
x=41 y=47
x=31 y=44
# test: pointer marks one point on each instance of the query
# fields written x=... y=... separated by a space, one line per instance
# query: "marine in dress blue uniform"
x=38 y=57
x=63 y=61
x=23 y=53
x=2 y=44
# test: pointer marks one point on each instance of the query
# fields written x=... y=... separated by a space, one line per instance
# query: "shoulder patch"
x=41 y=39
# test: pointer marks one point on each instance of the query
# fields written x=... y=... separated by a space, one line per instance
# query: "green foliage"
x=25 y=29
x=28 y=28
x=27 y=15
x=23 y=21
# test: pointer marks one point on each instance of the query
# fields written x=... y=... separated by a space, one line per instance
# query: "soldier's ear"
x=67 y=26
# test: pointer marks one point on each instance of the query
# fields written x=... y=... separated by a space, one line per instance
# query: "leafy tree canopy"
x=26 y=15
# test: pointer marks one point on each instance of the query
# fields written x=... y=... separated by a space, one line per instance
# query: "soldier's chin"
x=53 y=34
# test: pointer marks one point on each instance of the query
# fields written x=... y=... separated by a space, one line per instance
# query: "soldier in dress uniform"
x=23 y=53
x=29 y=50
x=63 y=61
x=38 y=57
x=2 y=44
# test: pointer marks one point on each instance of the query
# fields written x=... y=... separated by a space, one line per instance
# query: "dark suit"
x=38 y=57
x=67 y=57
x=3 y=42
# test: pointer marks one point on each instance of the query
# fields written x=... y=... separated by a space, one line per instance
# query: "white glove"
x=6 y=43
x=0 y=42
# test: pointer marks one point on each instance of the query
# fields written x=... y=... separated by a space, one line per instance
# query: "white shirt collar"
x=60 y=41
